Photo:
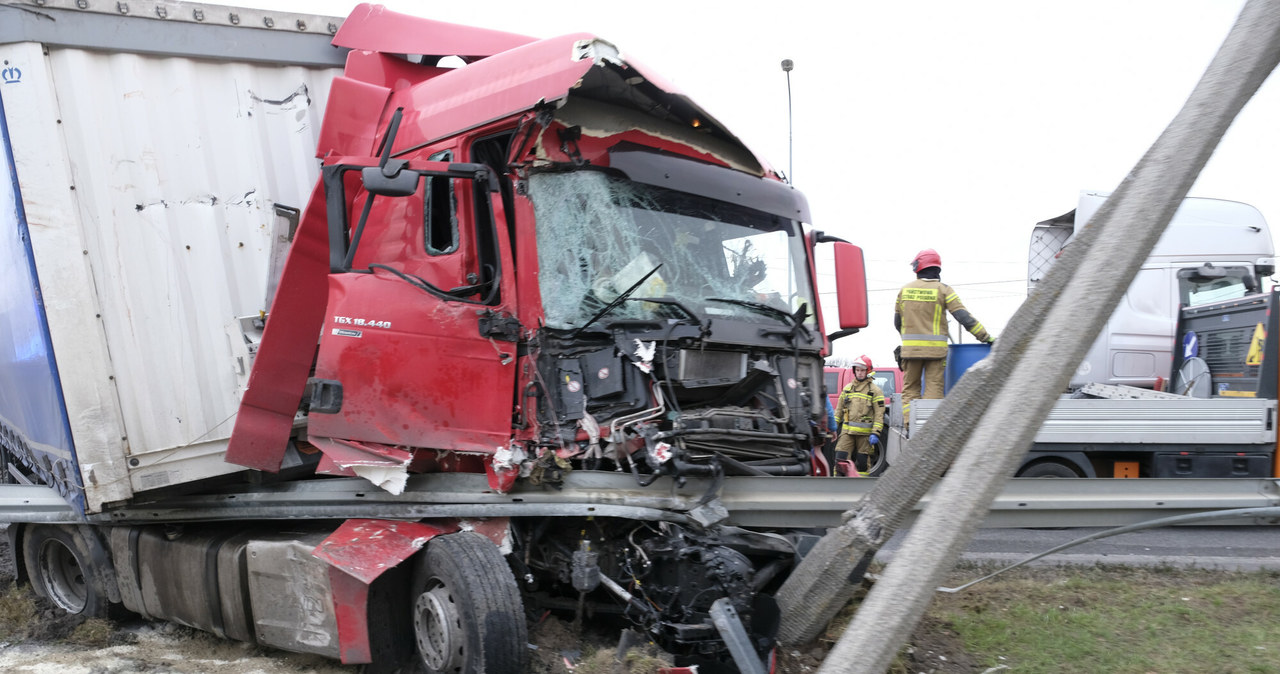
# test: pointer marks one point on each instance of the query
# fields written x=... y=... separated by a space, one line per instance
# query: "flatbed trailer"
x=1226 y=429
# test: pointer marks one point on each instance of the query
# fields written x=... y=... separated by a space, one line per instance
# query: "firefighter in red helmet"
x=860 y=414
x=920 y=316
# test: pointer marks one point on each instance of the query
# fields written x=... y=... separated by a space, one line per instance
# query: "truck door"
x=417 y=349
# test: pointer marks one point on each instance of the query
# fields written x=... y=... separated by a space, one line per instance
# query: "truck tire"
x=1048 y=469
x=58 y=565
x=467 y=613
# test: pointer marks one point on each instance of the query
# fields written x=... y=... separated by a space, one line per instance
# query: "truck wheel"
x=59 y=569
x=467 y=613
x=1048 y=469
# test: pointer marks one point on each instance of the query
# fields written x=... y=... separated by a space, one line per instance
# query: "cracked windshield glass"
x=599 y=235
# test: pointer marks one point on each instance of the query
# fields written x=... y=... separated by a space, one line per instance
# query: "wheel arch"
x=1077 y=461
x=88 y=542
x=14 y=533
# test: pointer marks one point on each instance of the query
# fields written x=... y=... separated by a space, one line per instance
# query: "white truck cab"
x=1212 y=250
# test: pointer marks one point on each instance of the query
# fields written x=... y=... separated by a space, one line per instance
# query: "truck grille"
x=1225 y=350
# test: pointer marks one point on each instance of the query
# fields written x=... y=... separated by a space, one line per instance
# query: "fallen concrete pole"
x=827 y=577
x=1128 y=227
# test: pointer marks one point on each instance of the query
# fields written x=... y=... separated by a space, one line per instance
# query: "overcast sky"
x=942 y=124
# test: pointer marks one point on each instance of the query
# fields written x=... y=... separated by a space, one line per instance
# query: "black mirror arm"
x=389 y=139
x=355 y=236
x=336 y=211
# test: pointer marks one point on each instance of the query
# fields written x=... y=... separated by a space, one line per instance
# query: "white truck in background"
x=1213 y=250
x=1182 y=380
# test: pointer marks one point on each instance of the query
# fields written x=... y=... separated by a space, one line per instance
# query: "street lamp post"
x=787 y=65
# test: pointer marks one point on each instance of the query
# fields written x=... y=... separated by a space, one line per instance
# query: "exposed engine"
x=670 y=407
x=662 y=577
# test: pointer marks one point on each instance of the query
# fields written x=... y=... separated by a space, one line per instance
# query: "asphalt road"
x=1234 y=548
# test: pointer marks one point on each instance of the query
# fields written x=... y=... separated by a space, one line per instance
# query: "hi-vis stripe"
x=924 y=340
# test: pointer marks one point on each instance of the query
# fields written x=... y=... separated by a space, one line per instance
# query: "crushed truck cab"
x=458 y=287
x=594 y=269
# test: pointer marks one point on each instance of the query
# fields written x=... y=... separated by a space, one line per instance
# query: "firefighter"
x=860 y=414
x=920 y=316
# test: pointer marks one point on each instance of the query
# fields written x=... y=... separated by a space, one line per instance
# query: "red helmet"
x=925 y=259
x=863 y=361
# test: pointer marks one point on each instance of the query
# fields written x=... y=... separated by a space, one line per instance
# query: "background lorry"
x=1195 y=322
x=544 y=263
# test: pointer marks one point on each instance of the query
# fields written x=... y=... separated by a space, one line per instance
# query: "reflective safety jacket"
x=920 y=314
x=861 y=408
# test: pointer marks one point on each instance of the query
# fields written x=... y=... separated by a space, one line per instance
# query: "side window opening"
x=1208 y=283
x=831 y=380
x=440 y=211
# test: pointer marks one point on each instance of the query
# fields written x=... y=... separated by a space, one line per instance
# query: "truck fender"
x=14 y=533
x=1076 y=460
x=357 y=553
x=100 y=558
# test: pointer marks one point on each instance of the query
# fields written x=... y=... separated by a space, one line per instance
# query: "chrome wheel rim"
x=438 y=629
x=62 y=577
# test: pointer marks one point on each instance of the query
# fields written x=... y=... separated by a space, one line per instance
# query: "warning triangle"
x=1255 y=346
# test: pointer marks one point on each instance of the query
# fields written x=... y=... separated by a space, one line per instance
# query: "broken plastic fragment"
x=592 y=427
x=506 y=457
x=644 y=352
x=390 y=478
x=662 y=452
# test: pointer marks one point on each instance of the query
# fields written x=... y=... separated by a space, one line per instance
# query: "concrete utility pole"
x=1033 y=360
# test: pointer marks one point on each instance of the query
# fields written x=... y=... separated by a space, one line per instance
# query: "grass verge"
x=1077 y=620
x=1117 y=619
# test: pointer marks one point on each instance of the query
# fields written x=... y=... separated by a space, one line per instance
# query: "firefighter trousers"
x=917 y=371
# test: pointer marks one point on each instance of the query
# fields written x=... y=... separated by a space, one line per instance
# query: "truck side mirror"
x=391 y=179
x=851 y=288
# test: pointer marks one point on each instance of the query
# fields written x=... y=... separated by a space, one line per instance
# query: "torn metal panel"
x=386 y=467
x=575 y=67
x=357 y=553
x=609 y=124
x=351 y=119
x=367 y=548
x=265 y=418
x=351 y=615
x=376 y=28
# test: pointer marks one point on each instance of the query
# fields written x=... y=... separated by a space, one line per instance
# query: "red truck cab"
x=889 y=379
x=544 y=261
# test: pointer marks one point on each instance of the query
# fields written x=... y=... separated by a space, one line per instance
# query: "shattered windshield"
x=599 y=235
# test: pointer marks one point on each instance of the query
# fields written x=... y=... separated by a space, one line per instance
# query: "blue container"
x=961 y=357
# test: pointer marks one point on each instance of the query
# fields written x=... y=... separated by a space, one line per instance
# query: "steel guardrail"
x=785 y=502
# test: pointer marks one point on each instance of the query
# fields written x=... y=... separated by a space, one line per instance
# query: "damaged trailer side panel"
x=157 y=192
